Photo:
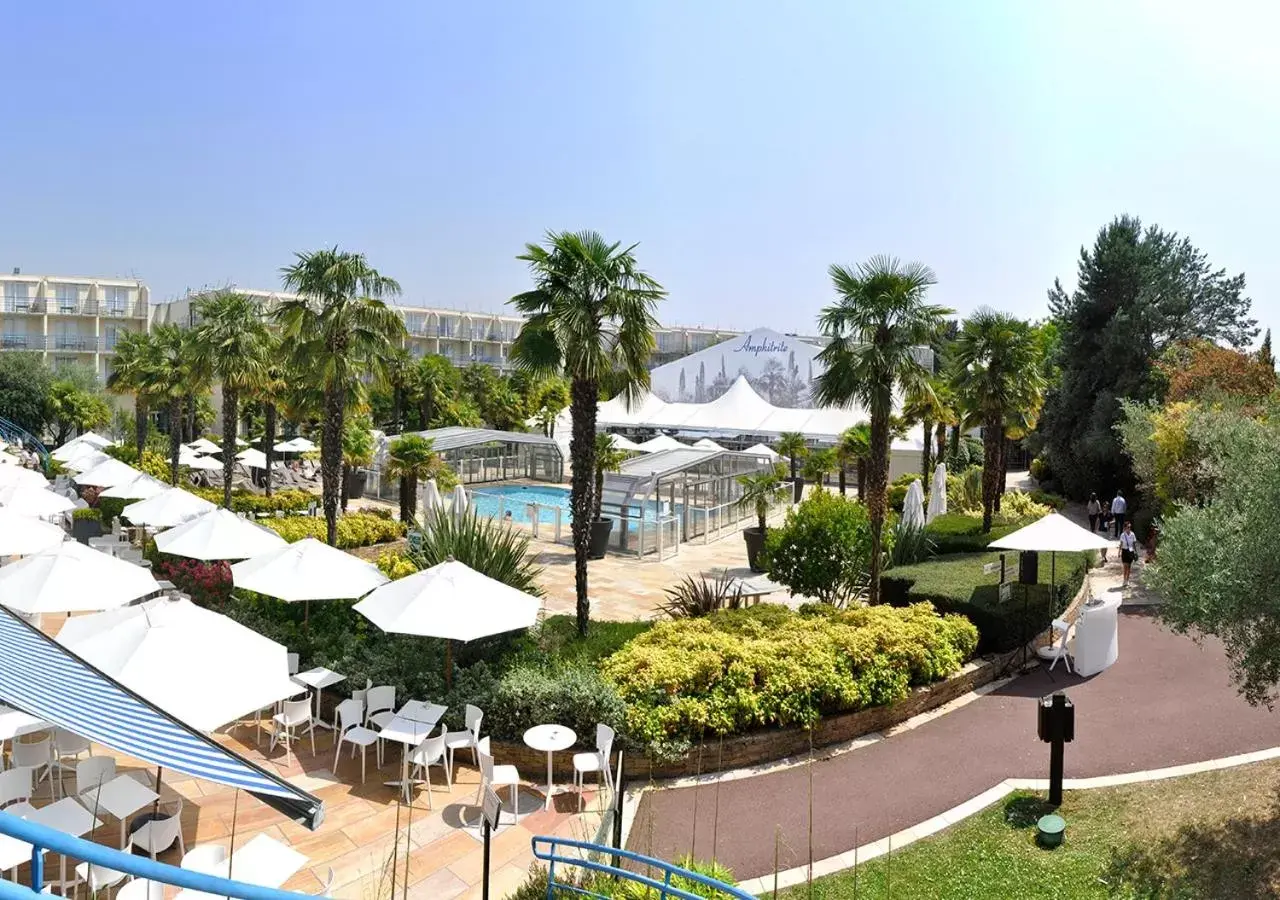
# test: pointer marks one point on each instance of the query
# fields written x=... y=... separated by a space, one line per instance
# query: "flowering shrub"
x=208 y=583
x=359 y=529
x=395 y=565
x=768 y=666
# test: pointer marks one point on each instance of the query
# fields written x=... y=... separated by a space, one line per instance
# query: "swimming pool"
x=495 y=500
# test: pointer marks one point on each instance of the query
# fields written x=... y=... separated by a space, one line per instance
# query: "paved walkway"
x=1167 y=701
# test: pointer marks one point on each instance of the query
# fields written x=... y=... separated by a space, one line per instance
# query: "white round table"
x=549 y=738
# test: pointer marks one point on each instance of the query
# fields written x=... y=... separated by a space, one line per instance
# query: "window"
x=115 y=300
x=17 y=295
x=68 y=297
x=111 y=334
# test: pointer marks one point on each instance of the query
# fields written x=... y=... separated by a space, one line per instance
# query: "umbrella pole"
x=448 y=664
x=155 y=808
x=1053 y=578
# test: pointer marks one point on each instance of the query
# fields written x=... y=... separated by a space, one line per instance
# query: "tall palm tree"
x=854 y=446
x=947 y=416
x=134 y=368
x=433 y=378
x=997 y=372
x=925 y=408
x=232 y=342
x=399 y=373
x=590 y=318
x=412 y=459
x=271 y=382
x=793 y=445
x=339 y=326
x=880 y=316
x=179 y=361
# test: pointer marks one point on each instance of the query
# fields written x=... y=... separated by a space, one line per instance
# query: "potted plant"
x=758 y=491
x=86 y=523
x=357 y=453
x=608 y=459
x=792 y=445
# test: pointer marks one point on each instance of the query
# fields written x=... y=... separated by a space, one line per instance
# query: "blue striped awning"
x=44 y=679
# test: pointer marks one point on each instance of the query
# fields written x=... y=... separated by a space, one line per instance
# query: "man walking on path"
x=1118 y=508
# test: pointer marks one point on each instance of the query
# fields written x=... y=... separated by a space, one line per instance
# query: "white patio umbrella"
x=458 y=502
x=762 y=450
x=86 y=441
x=707 y=444
x=295 y=445
x=200 y=463
x=253 y=458
x=71 y=577
x=37 y=502
x=139 y=488
x=937 y=494
x=94 y=439
x=22 y=535
x=451 y=601
x=203 y=445
x=167 y=509
x=620 y=443
x=913 y=506
x=83 y=462
x=197 y=665
x=307 y=570
x=219 y=534
x=11 y=476
x=107 y=474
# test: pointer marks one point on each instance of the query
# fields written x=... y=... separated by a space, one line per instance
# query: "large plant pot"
x=754 y=536
x=600 y=531
x=83 y=529
x=797 y=489
x=356 y=481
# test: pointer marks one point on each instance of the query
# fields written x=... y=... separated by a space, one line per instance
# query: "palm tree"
x=880 y=317
x=590 y=319
x=272 y=381
x=793 y=445
x=133 y=371
x=340 y=328
x=178 y=360
x=232 y=342
x=432 y=379
x=996 y=373
x=854 y=446
x=946 y=416
x=400 y=367
x=818 y=465
x=925 y=408
x=412 y=459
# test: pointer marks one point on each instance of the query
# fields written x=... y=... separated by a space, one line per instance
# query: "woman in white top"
x=1128 y=548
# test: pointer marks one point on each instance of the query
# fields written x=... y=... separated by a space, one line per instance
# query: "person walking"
x=1118 y=509
x=1095 y=511
x=1128 y=549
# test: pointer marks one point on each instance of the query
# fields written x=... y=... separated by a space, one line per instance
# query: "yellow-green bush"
x=395 y=565
x=738 y=670
x=354 y=529
x=291 y=500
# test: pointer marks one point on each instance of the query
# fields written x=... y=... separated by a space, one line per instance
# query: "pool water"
x=495 y=500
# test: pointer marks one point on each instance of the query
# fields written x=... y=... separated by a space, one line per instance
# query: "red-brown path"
x=1167 y=701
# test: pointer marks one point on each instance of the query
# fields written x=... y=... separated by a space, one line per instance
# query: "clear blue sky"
x=744 y=145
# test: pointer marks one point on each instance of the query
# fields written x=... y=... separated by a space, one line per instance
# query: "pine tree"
x=1264 y=352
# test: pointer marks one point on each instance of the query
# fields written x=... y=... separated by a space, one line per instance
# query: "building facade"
x=70 y=320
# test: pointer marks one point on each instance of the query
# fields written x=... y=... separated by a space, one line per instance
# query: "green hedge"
x=957 y=584
x=959 y=533
x=358 y=529
x=242 y=501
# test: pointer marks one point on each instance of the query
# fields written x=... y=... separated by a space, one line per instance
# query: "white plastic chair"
x=379 y=705
x=38 y=757
x=467 y=738
x=141 y=889
x=89 y=775
x=497 y=776
x=15 y=792
x=204 y=858
x=98 y=878
x=68 y=745
x=350 y=731
x=296 y=714
x=327 y=889
x=1057 y=649
x=598 y=762
x=159 y=835
x=427 y=754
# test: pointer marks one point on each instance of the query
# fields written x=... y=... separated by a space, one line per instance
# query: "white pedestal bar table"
x=549 y=738
x=411 y=726
x=1097 y=640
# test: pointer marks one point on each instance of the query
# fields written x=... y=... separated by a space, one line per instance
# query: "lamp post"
x=1056 y=726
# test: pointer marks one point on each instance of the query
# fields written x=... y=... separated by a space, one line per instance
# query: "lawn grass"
x=558 y=639
x=1212 y=835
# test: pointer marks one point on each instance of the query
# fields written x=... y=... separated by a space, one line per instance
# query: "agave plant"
x=696 y=597
x=490 y=547
x=911 y=544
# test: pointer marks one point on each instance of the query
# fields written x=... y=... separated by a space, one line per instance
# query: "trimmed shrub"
x=359 y=529
x=962 y=533
x=823 y=549
x=110 y=508
x=87 y=512
x=395 y=565
x=242 y=501
x=768 y=666
x=528 y=695
x=957 y=584
x=1053 y=501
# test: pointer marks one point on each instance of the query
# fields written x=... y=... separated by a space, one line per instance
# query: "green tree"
x=818 y=465
x=357 y=449
x=435 y=380
x=180 y=367
x=854 y=446
x=926 y=408
x=232 y=343
x=879 y=319
x=759 y=489
x=823 y=549
x=590 y=317
x=76 y=403
x=341 y=330
x=608 y=459
x=997 y=375
x=412 y=459
x=271 y=382
x=1265 y=356
x=134 y=367
x=1138 y=291
x=548 y=399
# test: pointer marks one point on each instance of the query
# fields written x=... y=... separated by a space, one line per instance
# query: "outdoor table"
x=122 y=796
x=419 y=711
x=67 y=815
x=410 y=732
x=263 y=861
x=319 y=679
x=549 y=738
x=1097 y=640
x=14 y=724
x=14 y=852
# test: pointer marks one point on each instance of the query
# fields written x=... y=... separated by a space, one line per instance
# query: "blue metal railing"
x=547 y=849
x=43 y=839
x=15 y=433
